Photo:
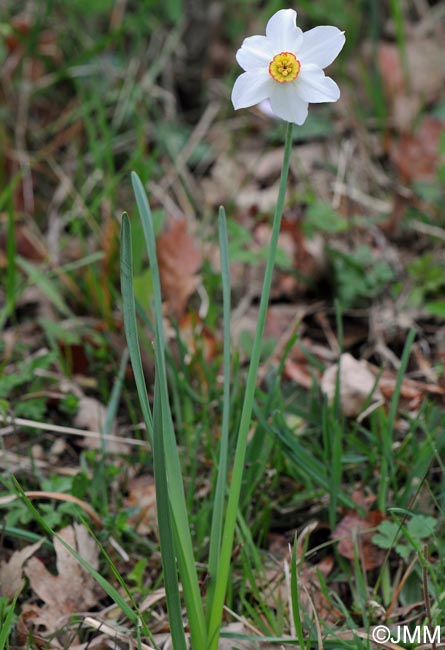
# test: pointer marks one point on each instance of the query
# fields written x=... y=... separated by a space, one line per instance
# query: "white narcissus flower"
x=286 y=67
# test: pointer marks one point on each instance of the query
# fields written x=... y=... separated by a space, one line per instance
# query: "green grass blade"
x=130 y=324
x=388 y=469
x=46 y=285
x=400 y=376
x=25 y=535
x=221 y=483
x=165 y=529
x=397 y=16
x=309 y=465
x=336 y=470
x=181 y=526
x=294 y=593
x=7 y=623
x=113 y=402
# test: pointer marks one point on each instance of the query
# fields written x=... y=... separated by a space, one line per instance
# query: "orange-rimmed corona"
x=284 y=67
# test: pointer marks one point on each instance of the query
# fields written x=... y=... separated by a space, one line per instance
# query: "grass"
x=101 y=105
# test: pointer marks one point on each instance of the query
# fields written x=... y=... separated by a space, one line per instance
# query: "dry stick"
x=45 y=426
x=113 y=633
x=14 y=461
x=427 y=229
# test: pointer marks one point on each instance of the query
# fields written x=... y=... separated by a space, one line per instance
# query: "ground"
x=344 y=454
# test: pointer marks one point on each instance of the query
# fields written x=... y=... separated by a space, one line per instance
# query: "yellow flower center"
x=284 y=67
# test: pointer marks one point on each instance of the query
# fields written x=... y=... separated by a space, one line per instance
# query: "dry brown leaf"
x=72 y=589
x=28 y=627
x=252 y=197
x=275 y=588
x=224 y=180
x=91 y=415
x=311 y=594
x=268 y=168
x=416 y=155
x=142 y=497
x=362 y=499
x=413 y=392
x=355 y=533
x=179 y=261
x=357 y=385
x=11 y=572
x=409 y=93
x=298 y=372
x=28 y=245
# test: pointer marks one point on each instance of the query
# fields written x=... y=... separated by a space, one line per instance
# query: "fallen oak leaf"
x=73 y=588
x=417 y=155
x=357 y=386
x=408 y=93
x=298 y=373
x=311 y=593
x=28 y=627
x=92 y=416
x=412 y=392
x=179 y=261
x=11 y=572
x=142 y=498
x=354 y=533
x=27 y=243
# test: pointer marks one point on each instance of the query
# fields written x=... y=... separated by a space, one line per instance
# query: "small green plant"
x=321 y=217
x=408 y=538
x=26 y=383
x=427 y=273
x=358 y=276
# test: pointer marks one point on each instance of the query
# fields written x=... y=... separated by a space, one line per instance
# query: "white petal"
x=314 y=87
x=266 y=108
x=251 y=88
x=321 y=45
x=255 y=52
x=287 y=104
x=283 y=33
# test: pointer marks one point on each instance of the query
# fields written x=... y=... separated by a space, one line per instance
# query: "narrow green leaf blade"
x=165 y=528
x=130 y=323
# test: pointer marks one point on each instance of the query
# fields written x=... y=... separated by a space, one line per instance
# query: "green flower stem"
x=234 y=495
